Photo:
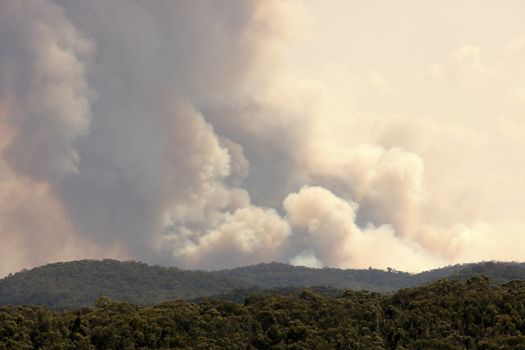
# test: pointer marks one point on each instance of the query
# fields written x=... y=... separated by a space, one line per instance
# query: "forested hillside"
x=456 y=314
x=276 y=275
x=80 y=283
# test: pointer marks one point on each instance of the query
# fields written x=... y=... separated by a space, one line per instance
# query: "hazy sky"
x=220 y=133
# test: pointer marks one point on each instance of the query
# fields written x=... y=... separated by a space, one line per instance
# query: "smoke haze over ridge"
x=210 y=134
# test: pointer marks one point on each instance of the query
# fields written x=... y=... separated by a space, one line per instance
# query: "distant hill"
x=276 y=275
x=80 y=283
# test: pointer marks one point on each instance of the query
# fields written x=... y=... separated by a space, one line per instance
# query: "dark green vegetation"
x=470 y=314
x=80 y=283
x=277 y=275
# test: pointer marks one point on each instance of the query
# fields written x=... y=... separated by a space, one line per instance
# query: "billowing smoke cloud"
x=44 y=109
x=248 y=234
x=326 y=230
x=173 y=132
x=43 y=71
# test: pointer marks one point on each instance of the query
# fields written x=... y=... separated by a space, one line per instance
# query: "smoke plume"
x=176 y=132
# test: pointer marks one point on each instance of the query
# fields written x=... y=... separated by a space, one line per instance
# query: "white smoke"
x=248 y=234
x=325 y=224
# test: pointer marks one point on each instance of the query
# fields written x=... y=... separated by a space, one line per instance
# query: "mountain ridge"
x=79 y=283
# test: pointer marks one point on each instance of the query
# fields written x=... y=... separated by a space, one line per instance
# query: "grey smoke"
x=172 y=132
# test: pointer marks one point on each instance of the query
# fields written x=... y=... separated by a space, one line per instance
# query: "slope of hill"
x=276 y=275
x=80 y=283
x=497 y=272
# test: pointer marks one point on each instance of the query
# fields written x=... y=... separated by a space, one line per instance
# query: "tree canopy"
x=472 y=314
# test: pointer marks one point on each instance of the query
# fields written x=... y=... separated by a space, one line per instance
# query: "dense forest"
x=79 y=283
x=448 y=314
